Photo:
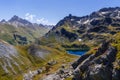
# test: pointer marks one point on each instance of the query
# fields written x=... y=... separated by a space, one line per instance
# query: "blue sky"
x=51 y=11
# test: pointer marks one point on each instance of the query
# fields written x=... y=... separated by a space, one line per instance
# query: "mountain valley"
x=31 y=51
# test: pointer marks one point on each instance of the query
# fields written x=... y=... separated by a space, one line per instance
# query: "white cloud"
x=33 y=18
x=42 y=20
x=29 y=16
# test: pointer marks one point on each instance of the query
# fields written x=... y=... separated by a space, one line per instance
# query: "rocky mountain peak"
x=107 y=12
x=18 y=22
x=111 y=12
x=109 y=9
x=16 y=19
x=3 y=21
x=97 y=22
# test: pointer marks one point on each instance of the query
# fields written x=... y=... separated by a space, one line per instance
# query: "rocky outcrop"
x=69 y=35
x=31 y=74
x=79 y=61
x=62 y=73
x=98 y=66
x=116 y=75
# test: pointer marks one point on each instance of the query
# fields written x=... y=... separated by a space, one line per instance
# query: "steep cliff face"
x=98 y=66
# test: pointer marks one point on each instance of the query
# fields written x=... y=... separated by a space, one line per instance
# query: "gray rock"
x=116 y=74
x=98 y=66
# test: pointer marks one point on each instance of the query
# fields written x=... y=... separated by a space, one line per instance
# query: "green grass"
x=116 y=43
x=68 y=78
x=7 y=31
x=33 y=62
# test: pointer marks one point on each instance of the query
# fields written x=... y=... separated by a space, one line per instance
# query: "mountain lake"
x=76 y=52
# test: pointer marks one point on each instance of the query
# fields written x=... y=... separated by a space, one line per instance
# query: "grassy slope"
x=116 y=43
x=6 y=32
x=33 y=63
x=56 y=54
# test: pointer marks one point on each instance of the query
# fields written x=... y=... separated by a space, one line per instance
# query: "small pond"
x=76 y=52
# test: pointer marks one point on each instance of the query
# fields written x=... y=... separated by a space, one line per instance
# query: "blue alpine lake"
x=76 y=52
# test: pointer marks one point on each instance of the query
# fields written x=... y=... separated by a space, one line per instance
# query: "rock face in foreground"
x=98 y=66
